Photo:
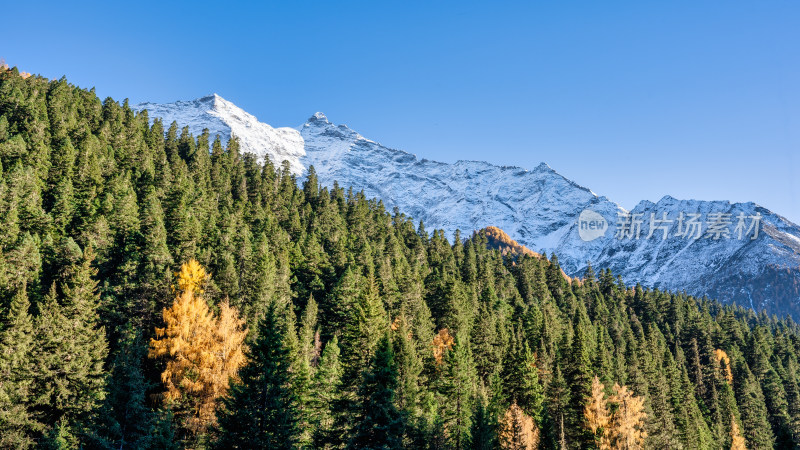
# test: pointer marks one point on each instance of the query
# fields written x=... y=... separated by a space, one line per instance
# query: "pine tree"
x=661 y=425
x=69 y=379
x=261 y=284
x=367 y=321
x=483 y=435
x=299 y=368
x=309 y=332
x=260 y=410
x=411 y=396
x=16 y=369
x=457 y=385
x=579 y=380
x=59 y=437
x=755 y=426
x=558 y=403
x=486 y=342
x=379 y=424
x=124 y=420
x=155 y=256
x=324 y=396
x=521 y=380
x=777 y=406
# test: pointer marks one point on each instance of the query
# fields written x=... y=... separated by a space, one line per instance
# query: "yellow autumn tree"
x=737 y=441
x=442 y=342
x=627 y=423
x=202 y=352
x=724 y=362
x=597 y=415
x=192 y=277
x=518 y=431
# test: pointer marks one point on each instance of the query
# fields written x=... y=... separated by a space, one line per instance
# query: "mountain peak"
x=540 y=208
x=319 y=117
x=212 y=99
x=222 y=117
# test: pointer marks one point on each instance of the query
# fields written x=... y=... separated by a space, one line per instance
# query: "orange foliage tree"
x=627 y=423
x=596 y=413
x=724 y=362
x=442 y=342
x=624 y=429
x=737 y=441
x=518 y=431
x=202 y=352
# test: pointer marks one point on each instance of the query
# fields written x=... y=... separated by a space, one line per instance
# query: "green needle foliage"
x=365 y=330
x=261 y=409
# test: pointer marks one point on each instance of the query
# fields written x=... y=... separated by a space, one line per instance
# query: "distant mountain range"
x=735 y=252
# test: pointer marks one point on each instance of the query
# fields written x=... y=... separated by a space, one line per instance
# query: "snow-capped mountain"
x=223 y=118
x=539 y=208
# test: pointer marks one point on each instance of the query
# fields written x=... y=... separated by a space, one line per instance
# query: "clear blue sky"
x=634 y=100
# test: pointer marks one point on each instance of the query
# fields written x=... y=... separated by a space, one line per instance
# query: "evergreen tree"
x=483 y=434
x=579 y=380
x=69 y=379
x=558 y=403
x=154 y=276
x=324 y=396
x=261 y=409
x=411 y=396
x=755 y=426
x=379 y=424
x=367 y=321
x=521 y=380
x=16 y=370
x=457 y=385
x=124 y=420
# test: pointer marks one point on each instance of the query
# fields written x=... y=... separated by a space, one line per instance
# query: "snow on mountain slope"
x=539 y=208
x=762 y=273
x=223 y=118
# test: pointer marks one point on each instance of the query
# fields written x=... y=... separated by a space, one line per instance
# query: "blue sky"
x=634 y=100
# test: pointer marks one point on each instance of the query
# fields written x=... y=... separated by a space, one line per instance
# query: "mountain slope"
x=500 y=240
x=223 y=118
x=539 y=208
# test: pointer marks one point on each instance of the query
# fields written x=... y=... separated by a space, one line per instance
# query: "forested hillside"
x=160 y=291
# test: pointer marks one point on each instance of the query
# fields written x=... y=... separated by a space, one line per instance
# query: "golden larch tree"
x=724 y=362
x=518 y=431
x=202 y=352
x=597 y=415
x=737 y=441
x=627 y=423
x=443 y=341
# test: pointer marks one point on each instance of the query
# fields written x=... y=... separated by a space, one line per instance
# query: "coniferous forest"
x=161 y=290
